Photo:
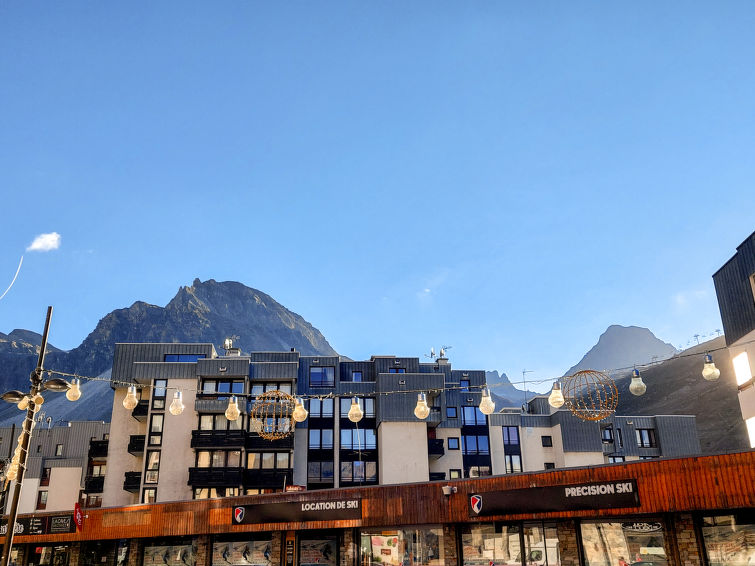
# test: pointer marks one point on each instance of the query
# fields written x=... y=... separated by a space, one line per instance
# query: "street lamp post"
x=35 y=389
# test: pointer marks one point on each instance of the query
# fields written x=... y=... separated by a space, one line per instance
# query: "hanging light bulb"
x=232 y=412
x=487 y=406
x=355 y=412
x=130 y=401
x=421 y=411
x=637 y=387
x=556 y=398
x=177 y=405
x=710 y=371
x=300 y=413
x=74 y=392
x=23 y=404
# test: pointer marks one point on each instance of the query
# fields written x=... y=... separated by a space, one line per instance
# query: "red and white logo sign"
x=476 y=502
x=238 y=514
x=78 y=517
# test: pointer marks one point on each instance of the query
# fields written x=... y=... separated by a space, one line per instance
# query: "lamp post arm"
x=36 y=381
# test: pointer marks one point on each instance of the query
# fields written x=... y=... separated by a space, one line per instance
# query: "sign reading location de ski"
x=599 y=495
x=330 y=510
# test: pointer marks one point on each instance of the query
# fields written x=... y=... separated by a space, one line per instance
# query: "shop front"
x=696 y=511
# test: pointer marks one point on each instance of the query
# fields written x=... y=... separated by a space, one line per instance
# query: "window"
x=260 y=388
x=367 y=404
x=215 y=492
x=358 y=439
x=320 y=472
x=547 y=441
x=216 y=387
x=183 y=358
x=471 y=445
x=156 y=430
x=322 y=376
x=149 y=495
x=359 y=471
x=550 y=465
x=615 y=459
x=219 y=422
x=646 y=437
x=321 y=439
x=453 y=442
x=454 y=474
x=513 y=463
x=97 y=469
x=45 y=479
x=58 y=449
x=42 y=500
x=356 y=376
x=451 y=412
x=619 y=438
x=477 y=471
x=158 y=393
x=218 y=458
x=93 y=501
x=606 y=434
x=396 y=370
x=321 y=408
x=153 y=466
x=39 y=448
x=472 y=416
x=464 y=385
x=727 y=538
x=268 y=460
x=510 y=435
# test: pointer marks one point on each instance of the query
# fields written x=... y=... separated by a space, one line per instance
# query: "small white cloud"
x=685 y=299
x=45 y=243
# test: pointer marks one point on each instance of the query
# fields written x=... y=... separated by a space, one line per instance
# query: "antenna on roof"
x=443 y=350
x=431 y=355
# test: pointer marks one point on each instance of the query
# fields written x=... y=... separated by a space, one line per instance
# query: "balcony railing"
x=268 y=478
x=215 y=477
x=94 y=484
x=136 y=444
x=435 y=417
x=132 y=482
x=255 y=442
x=219 y=438
x=140 y=411
x=98 y=448
x=435 y=448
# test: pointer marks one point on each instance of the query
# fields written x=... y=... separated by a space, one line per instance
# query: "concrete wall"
x=577 y=459
x=27 y=503
x=176 y=455
x=532 y=446
x=63 y=491
x=451 y=459
x=119 y=461
x=402 y=450
x=497 y=463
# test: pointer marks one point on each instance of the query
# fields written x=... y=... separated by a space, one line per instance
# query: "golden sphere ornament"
x=590 y=395
x=273 y=410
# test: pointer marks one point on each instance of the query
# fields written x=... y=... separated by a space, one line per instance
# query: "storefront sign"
x=332 y=510
x=40 y=525
x=603 y=495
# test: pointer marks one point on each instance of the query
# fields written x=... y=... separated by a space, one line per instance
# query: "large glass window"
x=219 y=422
x=322 y=376
x=485 y=543
x=153 y=466
x=222 y=387
x=183 y=358
x=320 y=472
x=320 y=408
x=158 y=393
x=156 y=430
x=318 y=551
x=402 y=547
x=359 y=471
x=320 y=439
x=729 y=540
x=243 y=550
x=608 y=544
x=475 y=445
x=367 y=405
x=513 y=463
x=645 y=437
x=510 y=435
x=358 y=439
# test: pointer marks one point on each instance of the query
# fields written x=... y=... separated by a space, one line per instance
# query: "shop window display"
x=170 y=553
x=256 y=551
x=623 y=544
x=486 y=544
x=403 y=547
x=318 y=552
x=729 y=539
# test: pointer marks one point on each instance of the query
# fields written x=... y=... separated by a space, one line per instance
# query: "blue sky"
x=506 y=178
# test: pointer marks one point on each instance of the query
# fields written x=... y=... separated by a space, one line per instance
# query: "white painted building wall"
x=119 y=461
x=402 y=451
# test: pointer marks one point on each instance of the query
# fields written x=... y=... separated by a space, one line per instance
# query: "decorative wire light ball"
x=590 y=395
x=274 y=410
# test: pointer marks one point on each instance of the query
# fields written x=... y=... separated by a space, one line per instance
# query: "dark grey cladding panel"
x=677 y=435
x=346 y=388
x=505 y=419
x=578 y=435
x=221 y=367
x=305 y=362
x=475 y=377
x=127 y=353
x=367 y=369
x=539 y=406
x=147 y=371
x=292 y=357
x=384 y=363
x=536 y=421
x=397 y=406
x=445 y=369
x=274 y=370
x=735 y=293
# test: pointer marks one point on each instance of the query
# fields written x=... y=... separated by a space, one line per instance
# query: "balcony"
x=98 y=448
x=140 y=411
x=435 y=417
x=255 y=442
x=211 y=402
x=132 y=482
x=268 y=478
x=136 y=444
x=215 y=477
x=435 y=448
x=217 y=438
x=437 y=476
x=94 y=484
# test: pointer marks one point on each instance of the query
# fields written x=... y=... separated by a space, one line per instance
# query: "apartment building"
x=66 y=464
x=735 y=289
x=157 y=456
